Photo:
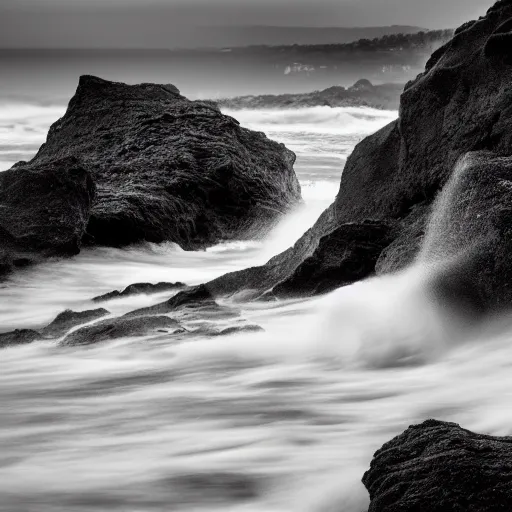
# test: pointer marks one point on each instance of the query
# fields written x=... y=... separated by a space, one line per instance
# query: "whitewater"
x=281 y=421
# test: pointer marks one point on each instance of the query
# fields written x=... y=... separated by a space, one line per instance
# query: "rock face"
x=68 y=319
x=18 y=337
x=139 y=289
x=116 y=328
x=362 y=94
x=345 y=256
x=168 y=169
x=197 y=300
x=441 y=467
x=460 y=105
x=44 y=210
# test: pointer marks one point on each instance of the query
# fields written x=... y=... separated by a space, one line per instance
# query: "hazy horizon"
x=155 y=24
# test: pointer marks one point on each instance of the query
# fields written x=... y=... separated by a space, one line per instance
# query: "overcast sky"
x=129 y=23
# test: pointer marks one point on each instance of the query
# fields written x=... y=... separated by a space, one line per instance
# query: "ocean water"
x=281 y=421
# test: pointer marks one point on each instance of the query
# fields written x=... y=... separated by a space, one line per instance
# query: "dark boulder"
x=404 y=249
x=122 y=327
x=139 y=289
x=18 y=337
x=170 y=169
x=68 y=319
x=440 y=467
x=342 y=257
x=44 y=211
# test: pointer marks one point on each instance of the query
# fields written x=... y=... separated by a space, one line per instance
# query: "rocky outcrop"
x=166 y=168
x=139 y=289
x=112 y=329
x=18 y=337
x=345 y=256
x=44 y=210
x=196 y=301
x=460 y=105
x=362 y=94
x=440 y=467
x=68 y=319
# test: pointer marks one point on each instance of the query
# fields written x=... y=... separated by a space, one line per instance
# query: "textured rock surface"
x=469 y=237
x=254 y=281
x=440 y=467
x=461 y=103
x=345 y=256
x=43 y=211
x=197 y=301
x=170 y=169
x=405 y=247
x=116 y=328
x=139 y=289
x=18 y=337
x=362 y=93
x=68 y=319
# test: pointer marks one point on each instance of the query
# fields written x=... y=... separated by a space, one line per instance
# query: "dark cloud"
x=165 y=23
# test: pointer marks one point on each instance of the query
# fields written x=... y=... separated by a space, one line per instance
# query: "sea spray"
x=325 y=120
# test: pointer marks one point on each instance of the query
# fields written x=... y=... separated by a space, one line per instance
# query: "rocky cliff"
x=461 y=104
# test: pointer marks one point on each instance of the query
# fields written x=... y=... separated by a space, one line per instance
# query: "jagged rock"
x=121 y=327
x=18 y=337
x=361 y=94
x=43 y=211
x=169 y=169
x=68 y=319
x=139 y=289
x=254 y=281
x=440 y=467
x=343 y=257
x=460 y=104
x=198 y=301
x=229 y=331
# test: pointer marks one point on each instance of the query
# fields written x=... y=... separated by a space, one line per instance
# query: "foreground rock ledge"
x=169 y=169
x=441 y=467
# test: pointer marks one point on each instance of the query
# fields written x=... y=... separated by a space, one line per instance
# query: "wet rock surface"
x=18 y=337
x=169 y=169
x=122 y=327
x=139 y=289
x=197 y=301
x=68 y=319
x=343 y=257
x=44 y=211
x=441 y=467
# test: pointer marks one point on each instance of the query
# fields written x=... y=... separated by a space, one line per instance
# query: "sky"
x=163 y=23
